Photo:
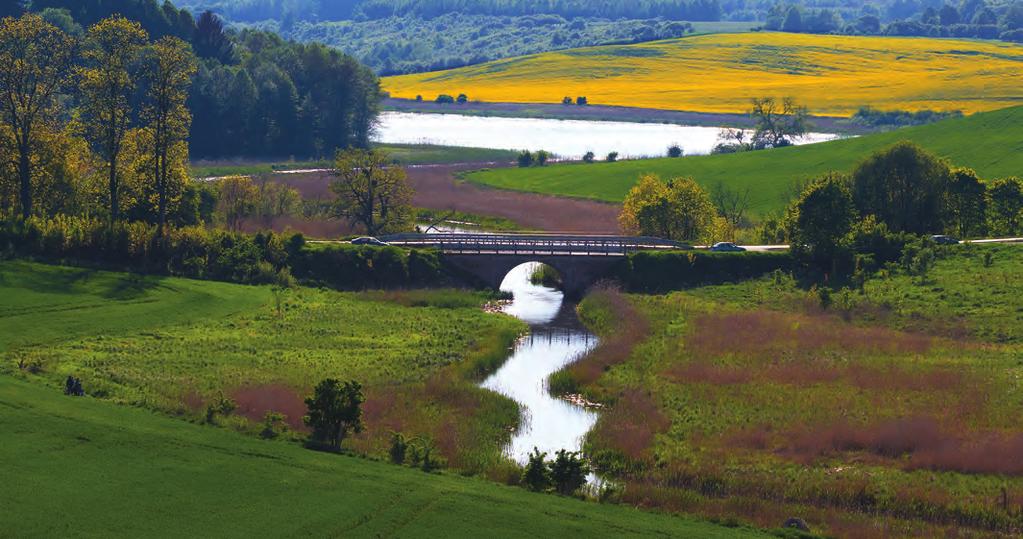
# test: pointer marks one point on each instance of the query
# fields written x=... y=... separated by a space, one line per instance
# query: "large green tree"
x=35 y=57
x=965 y=203
x=819 y=221
x=169 y=68
x=1005 y=206
x=905 y=187
x=372 y=192
x=108 y=82
x=335 y=409
x=678 y=209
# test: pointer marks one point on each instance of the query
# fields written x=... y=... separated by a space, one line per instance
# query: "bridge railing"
x=550 y=244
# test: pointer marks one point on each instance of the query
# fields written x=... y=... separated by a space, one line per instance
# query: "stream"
x=556 y=339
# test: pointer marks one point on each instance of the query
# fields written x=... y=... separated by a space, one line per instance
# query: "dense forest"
x=401 y=36
x=254 y=93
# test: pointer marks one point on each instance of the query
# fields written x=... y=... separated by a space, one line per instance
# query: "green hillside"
x=990 y=142
x=83 y=467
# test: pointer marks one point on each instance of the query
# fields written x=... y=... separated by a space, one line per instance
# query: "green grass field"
x=83 y=467
x=177 y=346
x=991 y=143
x=893 y=412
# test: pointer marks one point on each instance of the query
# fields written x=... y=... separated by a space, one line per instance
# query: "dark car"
x=726 y=247
x=942 y=239
x=368 y=240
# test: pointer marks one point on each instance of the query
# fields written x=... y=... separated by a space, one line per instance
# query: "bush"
x=540 y=159
x=462 y=99
x=566 y=100
x=674 y=150
x=611 y=157
x=525 y=159
x=651 y=271
x=444 y=99
x=536 y=476
x=588 y=157
x=581 y=100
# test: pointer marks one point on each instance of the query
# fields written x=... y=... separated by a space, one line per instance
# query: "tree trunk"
x=25 y=176
x=161 y=186
x=114 y=210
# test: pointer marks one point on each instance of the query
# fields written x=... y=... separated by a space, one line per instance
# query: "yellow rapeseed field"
x=721 y=72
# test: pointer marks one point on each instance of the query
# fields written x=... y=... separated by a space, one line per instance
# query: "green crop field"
x=83 y=467
x=990 y=142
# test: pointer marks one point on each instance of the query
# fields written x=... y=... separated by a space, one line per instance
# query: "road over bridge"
x=581 y=260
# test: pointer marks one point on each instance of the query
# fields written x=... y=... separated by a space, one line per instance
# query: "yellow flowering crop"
x=720 y=73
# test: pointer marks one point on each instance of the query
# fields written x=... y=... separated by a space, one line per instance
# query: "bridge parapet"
x=534 y=244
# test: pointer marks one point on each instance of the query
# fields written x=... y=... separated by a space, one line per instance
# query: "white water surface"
x=568 y=139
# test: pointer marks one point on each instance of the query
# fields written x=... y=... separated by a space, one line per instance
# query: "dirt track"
x=437 y=188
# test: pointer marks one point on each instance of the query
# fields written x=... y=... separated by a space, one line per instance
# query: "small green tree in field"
x=588 y=157
x=535 y=475
x=819 y=221
x=335 y=409
x=566 y=100
x=1005 y=206
x=541 y=157
x=612 y=157
x=674 y=150
x=568 y=472
x=525 y=159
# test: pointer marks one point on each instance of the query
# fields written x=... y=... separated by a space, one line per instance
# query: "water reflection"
x=556 y=339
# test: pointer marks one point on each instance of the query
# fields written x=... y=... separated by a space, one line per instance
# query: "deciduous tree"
x=905 y=187
x=777 y=123
x=335 y=409
x=678 y=209
x=371 y=192
x=965 y=203
x=820 y=220
x=108 y=82
x=35 y=57
x=169 y=68
x=1005 y=206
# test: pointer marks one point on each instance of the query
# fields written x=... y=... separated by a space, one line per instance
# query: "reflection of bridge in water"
x=581 y=260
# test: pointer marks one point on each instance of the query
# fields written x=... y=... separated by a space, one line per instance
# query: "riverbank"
x=827 y=124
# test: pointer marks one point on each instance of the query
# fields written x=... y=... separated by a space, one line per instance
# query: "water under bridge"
x=581 y=260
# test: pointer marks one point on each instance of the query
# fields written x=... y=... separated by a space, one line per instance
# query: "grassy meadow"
x=86 y=467
x=771 y=174
x=831 y=75
x=180 y=346
x=893 y=411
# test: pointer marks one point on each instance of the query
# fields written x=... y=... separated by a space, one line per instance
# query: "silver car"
x=368 y=240
x=726 y=247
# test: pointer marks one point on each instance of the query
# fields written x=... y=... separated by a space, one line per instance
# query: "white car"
x=367 y=240
x=726 y=247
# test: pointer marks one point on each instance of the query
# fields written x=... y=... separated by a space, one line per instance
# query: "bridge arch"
x=577 y=273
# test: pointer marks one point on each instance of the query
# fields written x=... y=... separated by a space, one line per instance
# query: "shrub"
x=568 y=472
x=581 y=100
x=462 y=99
x=444 y=99
x=525 y=159
x=673 y=270
x=674 y=150
x=588 y=157
x=536 y=476
x=541 y=157
x=399 y=446
x=612 y=157
x=566 y=100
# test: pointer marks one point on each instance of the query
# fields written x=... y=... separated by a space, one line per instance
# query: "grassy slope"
x=85 y=467
x=832 y=75
x=991 y=143
x=49 y=303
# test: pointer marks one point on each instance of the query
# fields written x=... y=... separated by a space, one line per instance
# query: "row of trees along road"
x=120 y=96
x=899 y=192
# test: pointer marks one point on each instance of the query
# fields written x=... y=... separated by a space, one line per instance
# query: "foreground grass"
x=721 y=72
x=86 y=467
x=772 y=174
x=893 y=412
x=180 y=346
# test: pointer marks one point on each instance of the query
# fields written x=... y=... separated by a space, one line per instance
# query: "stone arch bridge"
x=581 y=260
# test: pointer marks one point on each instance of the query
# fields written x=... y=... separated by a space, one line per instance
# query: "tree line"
x=840 y=221
x=254 y=93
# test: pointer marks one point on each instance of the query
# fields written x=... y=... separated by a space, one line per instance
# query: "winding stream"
x=556 y=339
